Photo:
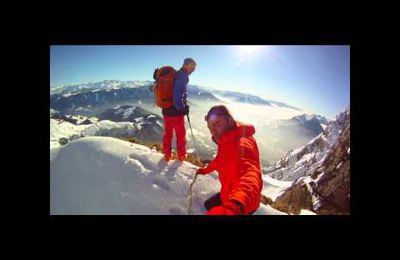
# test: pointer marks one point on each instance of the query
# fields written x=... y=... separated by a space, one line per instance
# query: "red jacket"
x=238 y=166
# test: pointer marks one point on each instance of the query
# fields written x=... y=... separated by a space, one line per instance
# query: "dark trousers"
x=215 y=200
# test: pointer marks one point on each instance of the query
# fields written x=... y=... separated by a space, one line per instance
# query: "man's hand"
x=186 y=110
x=200 y=171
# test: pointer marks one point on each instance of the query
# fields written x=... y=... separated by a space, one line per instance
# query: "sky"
x=315 y=78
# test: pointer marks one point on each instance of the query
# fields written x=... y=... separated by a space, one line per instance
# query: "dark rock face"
x=326 y=190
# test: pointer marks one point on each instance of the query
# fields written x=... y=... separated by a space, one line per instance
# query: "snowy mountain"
x=307 y=118
x=250 y=99
x=89 y=99
x=296 y=162
x=125 y=114
x=94 y=102
x=122 y=122
x=143 y=130
x=66 y=128
x=76 y=120
x=106 y=176
x=278 y=136
x=277 y=128
x=97 y=86
x=311 y=124
x=319 y=172
x=198 y=93
x=92 y=99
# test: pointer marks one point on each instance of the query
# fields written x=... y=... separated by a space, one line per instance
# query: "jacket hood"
x=241 y=130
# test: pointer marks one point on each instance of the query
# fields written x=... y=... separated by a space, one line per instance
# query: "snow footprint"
x=136 y=165
x=161 y=182
x=176 y=210
x=147 y=160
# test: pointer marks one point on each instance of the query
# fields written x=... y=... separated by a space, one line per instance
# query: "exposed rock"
x=325 y=188
x=63 y=141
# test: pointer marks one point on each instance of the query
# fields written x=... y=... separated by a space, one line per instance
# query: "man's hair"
x=188 y=61
x=220 y=110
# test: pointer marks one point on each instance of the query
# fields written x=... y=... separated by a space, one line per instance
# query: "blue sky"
x=315 y=78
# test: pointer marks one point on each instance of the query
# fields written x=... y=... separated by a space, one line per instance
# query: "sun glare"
x=249 y=49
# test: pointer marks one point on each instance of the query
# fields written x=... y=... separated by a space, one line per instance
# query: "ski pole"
x=194 y=141
x=195 y=176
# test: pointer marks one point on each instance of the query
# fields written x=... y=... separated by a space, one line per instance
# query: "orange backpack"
x=164 y=86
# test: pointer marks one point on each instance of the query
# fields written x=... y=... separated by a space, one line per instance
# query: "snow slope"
x=107 y=176
x=103 y=175
x=62 y=129
x=272 y=188
x=144 y=129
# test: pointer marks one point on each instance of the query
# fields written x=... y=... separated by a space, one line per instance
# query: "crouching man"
x=237 y=163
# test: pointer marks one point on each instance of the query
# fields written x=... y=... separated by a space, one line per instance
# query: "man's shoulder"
x=248 y=142
x=181 y=74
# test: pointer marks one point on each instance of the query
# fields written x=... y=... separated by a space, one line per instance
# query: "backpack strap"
x=155 y=74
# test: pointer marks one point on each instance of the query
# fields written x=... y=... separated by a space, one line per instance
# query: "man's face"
x=217 y=124
x=190 y=67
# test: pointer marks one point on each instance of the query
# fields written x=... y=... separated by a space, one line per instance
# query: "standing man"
x=174 y=116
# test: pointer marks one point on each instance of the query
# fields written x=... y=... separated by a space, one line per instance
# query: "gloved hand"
x=200 y=171
x=229 y=208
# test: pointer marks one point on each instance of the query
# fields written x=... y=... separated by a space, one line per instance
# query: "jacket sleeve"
x=180 y=91
x=250 y=182
x=212 y=166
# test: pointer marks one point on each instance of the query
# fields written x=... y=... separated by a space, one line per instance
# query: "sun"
x=249 y=54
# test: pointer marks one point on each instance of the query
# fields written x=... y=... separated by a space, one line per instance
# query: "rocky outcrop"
x=324 y=187
x=297 y=163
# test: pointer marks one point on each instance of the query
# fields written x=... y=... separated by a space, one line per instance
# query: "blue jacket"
x=180 y=89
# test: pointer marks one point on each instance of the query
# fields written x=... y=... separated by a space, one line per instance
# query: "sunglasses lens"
x=214 y=114
x=213 y=117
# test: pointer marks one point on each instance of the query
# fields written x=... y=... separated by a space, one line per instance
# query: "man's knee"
x=168 y=134
x=180 y=131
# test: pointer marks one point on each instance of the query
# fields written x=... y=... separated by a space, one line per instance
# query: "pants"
x=176 y=123
x=215 y=200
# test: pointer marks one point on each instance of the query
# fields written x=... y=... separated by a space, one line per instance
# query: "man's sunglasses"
x=212 y=116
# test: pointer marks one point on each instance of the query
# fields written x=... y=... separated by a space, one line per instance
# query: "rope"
x=190 y=197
